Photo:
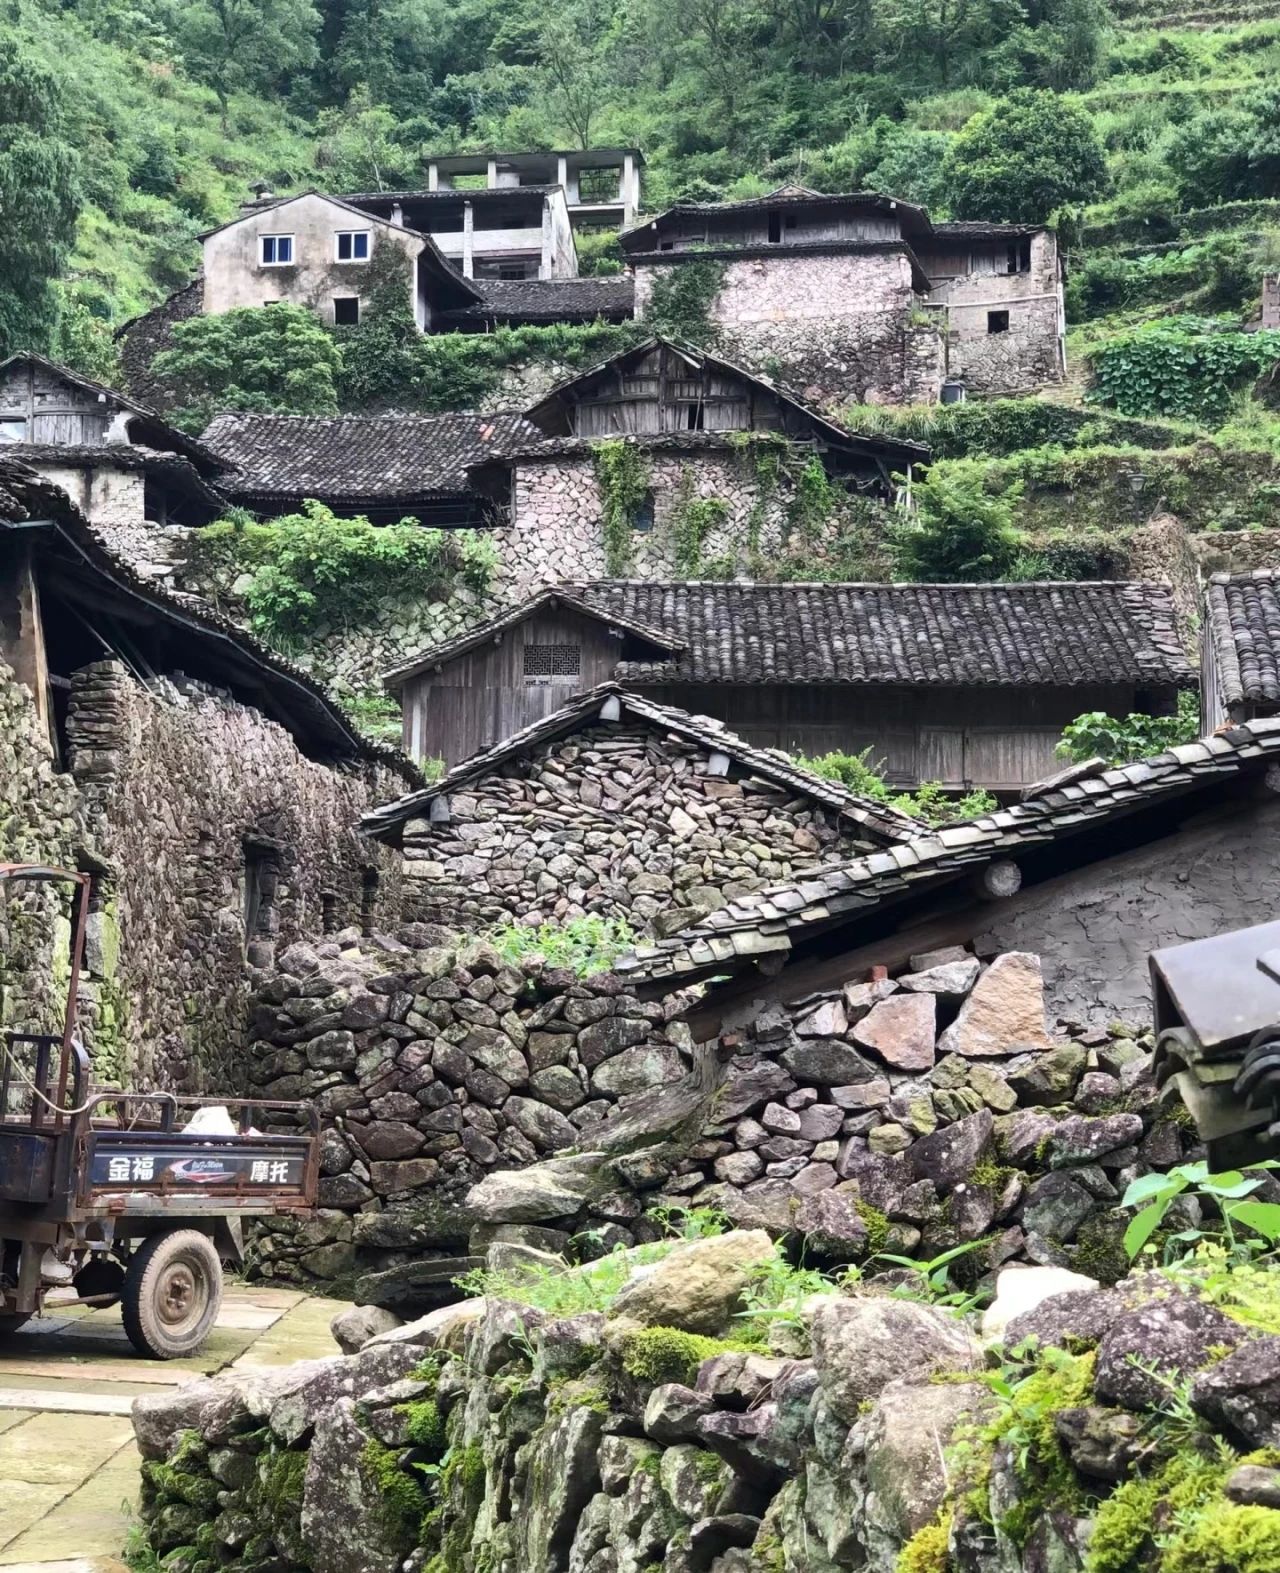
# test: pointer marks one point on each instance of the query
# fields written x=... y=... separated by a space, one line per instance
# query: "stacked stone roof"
x=360 y=456
x=585 y=710
x=1242 y=612
x=1076 y=800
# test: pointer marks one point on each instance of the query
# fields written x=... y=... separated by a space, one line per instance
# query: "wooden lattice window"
x=552 y=660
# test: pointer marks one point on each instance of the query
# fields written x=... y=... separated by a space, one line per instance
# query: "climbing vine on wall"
x=682 y=299
x=692 y=521
x=623 y=477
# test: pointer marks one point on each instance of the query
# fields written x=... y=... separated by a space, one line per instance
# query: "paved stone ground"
x=68 y=1466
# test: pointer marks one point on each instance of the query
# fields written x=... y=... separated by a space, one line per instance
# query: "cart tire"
x=11 y=1321
x=172 y=1293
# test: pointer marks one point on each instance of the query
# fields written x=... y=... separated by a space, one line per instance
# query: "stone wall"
x=840 y=328
x=912 y=1114
x=115 y=499
x=617 y=820
x=183 y=793
x=38 y=824
x=664 y=1428
x=431 y=1068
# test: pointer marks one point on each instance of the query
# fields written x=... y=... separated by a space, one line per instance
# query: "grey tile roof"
x=774 y=920
x=979 y=228
x=359 y=456
x=117 y=456
x=551 y=300
x=878 y=819
x=794 y=197
x=1243 y=616
x=299 y=702
x=1030 y=634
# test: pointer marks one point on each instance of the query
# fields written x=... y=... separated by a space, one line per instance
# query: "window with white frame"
x=352 y=245
x=277 y=250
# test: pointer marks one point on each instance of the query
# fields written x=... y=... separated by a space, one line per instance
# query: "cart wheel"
x=172 y=1292
x=11 y=1321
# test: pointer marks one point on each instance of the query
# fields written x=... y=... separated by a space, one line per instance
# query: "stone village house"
x=211 y=789
x=969 y=685
x=862 y=298
x=855 y=298
x=617 y=806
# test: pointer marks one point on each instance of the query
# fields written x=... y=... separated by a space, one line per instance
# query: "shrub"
x=263 y=358
x=1118 y=739
x=961 y=533
x=929 y=803
x=584 y=945
x=1184 y=366
x=313 y=569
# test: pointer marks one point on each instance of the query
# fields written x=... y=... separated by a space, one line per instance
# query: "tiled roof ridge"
x=884 y=821
x=760 y=922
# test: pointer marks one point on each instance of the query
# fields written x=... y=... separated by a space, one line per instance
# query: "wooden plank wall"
x=996 y=738
x=658 y=392
x=484 y=696
x=55 y=411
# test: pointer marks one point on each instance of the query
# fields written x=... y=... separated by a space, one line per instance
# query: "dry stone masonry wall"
x=662 y=1432
x=431 y=1068
x=621 y=822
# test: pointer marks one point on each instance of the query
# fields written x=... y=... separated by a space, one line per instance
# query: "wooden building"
x=969 y=685
x=119 y=462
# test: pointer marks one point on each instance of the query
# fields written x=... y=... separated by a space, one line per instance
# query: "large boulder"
x=1167 y=1338
x=345 y=1524
x=699 y=1285
x=353 y=1328
x=1005 y=1012
x=900 y=1031
x=902 y=1443
x=1242 y=1393
x=1020 y=1290
x=555 y=1189
x=862 y=1344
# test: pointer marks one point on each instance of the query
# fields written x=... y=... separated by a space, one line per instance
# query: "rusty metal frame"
x=48 y=874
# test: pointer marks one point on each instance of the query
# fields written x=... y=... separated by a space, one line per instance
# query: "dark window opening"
x=552 y=660
x=775 y=228
x=329 y=912
x=261 y=891
x=599 y=185
x=997 y=322
x=666 y=245
x=692 y=420
x=643 y=518
x=791 y=221
x=346 y=311
x=368 y=900
x=1018 y=256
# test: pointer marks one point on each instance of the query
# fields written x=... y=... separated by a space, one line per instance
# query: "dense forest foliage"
x=127 y=126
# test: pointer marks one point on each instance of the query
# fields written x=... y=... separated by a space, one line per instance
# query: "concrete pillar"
x=491 y=174
x=397 y=213
x=630 y=192
x=433 y=176
x=468 y=231
x=546 y=270
x=562 y=174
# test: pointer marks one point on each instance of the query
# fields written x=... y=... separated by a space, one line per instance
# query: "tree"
x=254 y=358
x=359 y=149
x=1022 y=160
x=246 y=45
x=39 y=199
x=961 y=533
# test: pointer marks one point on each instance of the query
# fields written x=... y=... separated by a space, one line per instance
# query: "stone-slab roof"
x=551 y=300
x=879 y=819
x=1243 y=616
x=980 y=229
x=775 y=919
x=360 y=456
x=1030 y=634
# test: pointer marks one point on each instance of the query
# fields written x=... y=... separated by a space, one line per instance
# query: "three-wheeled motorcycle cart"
x=110 y=1192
